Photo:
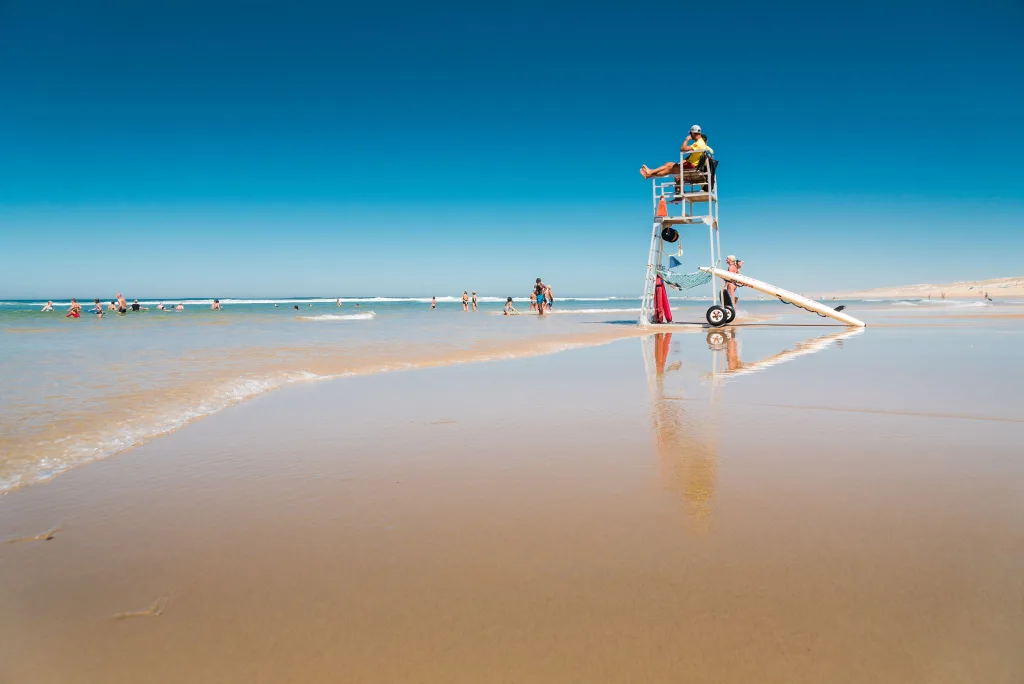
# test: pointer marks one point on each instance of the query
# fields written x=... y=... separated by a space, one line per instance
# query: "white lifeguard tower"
x=679 y=203
x=691 y=200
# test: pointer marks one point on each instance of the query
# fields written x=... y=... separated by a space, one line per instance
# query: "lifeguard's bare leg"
x=666 y=169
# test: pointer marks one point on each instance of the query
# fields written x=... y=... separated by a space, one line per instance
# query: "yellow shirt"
x=700 y=146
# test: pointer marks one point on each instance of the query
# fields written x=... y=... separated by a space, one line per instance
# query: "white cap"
x=730 y=257
x=695 y=128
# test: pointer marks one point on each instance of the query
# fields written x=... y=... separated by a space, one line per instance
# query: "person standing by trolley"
x=734 y=267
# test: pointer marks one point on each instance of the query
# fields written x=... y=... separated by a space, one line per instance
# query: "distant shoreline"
x=997 y=288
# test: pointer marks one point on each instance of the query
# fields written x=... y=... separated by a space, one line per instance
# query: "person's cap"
x=730 y=258
x=695 y=128
x=538 y=280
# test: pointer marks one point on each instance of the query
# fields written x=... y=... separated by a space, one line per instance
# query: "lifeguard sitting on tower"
x=696 y=142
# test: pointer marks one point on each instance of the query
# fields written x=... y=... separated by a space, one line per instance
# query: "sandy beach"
x=748 y=504
x=1000 y=288
x=405 y=343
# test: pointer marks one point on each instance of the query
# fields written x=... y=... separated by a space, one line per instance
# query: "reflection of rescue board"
x=785 y=296
x=812 y=346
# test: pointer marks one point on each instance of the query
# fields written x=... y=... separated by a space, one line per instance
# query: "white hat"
x=695 y=128
x=730 y=257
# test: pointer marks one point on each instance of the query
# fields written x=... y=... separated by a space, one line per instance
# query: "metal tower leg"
x=653 y=259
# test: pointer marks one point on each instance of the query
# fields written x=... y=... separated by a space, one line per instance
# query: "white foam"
x=228 y=301
x=89 y=448
x=369 y=315
x=557 y=310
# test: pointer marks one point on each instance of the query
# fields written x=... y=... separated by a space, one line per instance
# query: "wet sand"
x=638 y=511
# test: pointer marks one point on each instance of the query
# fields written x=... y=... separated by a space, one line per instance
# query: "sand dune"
x=997 y=288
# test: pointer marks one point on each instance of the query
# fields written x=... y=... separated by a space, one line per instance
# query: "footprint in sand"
x=154 y=610
x=42 y=536
x=443 y=422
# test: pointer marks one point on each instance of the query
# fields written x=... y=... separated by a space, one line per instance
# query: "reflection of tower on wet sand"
x=685 y=434
x=686 y=431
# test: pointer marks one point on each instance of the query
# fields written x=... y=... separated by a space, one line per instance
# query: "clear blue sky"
x=184 y=148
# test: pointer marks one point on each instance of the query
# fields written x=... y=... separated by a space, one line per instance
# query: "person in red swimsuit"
x=75 y=310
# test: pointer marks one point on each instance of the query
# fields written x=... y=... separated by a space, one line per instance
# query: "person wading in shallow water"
x=474 y=300
x=539 y=290
x=465 y=300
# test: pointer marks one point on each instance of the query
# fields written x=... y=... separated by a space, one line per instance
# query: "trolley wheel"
x=717 y=316
x=731 y=311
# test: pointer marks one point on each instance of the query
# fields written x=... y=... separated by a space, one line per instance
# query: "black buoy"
x=669 y=234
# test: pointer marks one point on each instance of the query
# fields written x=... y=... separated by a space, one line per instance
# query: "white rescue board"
x=785 y=296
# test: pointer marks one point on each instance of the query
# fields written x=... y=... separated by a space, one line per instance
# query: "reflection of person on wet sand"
x=732 y=352
x=685 y=443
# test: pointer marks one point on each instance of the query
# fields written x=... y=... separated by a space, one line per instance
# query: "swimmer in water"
x=465 y=301
x=215 y=306
x=339 y=301
x=112 y=306
x=122 y=304
x=75 y=310
x=509 y=309
x=433 y=303
x=296 y=307
x=137 y=307
x=48 y=307
x=474 y=300
x=180 y=307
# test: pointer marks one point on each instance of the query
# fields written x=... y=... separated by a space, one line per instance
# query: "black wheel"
x=669 y=234
x=731 y=314
x=717 y=316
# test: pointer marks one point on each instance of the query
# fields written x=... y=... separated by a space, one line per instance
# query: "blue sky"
x=280 y=148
